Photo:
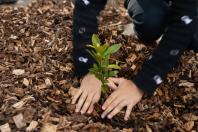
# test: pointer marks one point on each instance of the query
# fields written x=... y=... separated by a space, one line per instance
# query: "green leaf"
x=114 y=48
x=94 y=55
x=91 y=46
x=113 y=66
x=95 y=41
x=102 y=48
x=113 y=73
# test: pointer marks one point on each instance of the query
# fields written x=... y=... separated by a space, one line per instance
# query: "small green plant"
x=102 y=69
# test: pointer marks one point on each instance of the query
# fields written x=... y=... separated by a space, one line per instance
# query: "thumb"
x=115 y=80
x=112 y=85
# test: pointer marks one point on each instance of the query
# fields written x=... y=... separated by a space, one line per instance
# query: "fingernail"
x=102 y=116
x=109 y=117
x=77 y=110
x=103 y=107
x=126 y=119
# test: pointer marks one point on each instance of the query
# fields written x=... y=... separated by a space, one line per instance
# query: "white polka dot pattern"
x=87 y=2
x=174 y=52
x=186 y=19
x=157 y=79
x=83 y=59
x=82 y=30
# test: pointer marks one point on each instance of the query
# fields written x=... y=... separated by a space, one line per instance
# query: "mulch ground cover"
x=37 y=81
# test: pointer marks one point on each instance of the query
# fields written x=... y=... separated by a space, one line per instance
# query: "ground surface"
x=36 y=75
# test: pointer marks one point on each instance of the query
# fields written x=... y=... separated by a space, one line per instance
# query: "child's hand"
x=125 y=94
x=89 y=94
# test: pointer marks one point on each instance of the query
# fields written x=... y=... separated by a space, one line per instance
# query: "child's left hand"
x=126 y=94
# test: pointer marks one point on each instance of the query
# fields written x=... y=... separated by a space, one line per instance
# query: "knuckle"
x=113 y=104
x=117 y=109
x=88 y=101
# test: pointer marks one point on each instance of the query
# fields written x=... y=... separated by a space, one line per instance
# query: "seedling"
x=102 y=69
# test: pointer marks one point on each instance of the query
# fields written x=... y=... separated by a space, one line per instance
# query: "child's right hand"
x=88 y=94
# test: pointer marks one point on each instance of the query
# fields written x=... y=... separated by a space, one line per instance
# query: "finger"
x=115 y=80
x=117 y=109
x=77 y=96
x=87 y=103
x=113 y=105
x=109 y=100
x=95 y=100
x=91 y=108
x=112 y=85
x=81 y=101
x=128 y=112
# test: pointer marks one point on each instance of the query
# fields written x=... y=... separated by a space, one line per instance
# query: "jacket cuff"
x=147 y=82
x=82 y=62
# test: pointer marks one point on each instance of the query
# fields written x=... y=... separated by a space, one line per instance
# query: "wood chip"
x=128 y=30
x=26 y=82
x=48 y=82
x=32 y=126
x=190 y=117
x=189 y=125
x=18 y=120
x=18 y=72
x=19 y=104
x=186 y=84
x=5 y=128
x=48 y=127
x=148 y=129
x=127 y=130
x=22 y=102
x=133 y=67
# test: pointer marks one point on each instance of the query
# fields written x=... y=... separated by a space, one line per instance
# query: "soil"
x=37 y=81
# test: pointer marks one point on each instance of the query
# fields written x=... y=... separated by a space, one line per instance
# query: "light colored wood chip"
x=18 y=72
x=5 y=128
x=48 y=127
x=48 y=82
x=26 y=82
x=189 y=125
x=18 y=120
x=32 y=126
x=19 y=104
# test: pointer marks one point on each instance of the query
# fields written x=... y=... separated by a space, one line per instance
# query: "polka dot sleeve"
x=176 y=39
x=84 y=26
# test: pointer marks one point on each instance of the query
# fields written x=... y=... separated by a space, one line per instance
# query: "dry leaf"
x=5 y=128
x=18 y=72
x=18 y=120
x=32 y=126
